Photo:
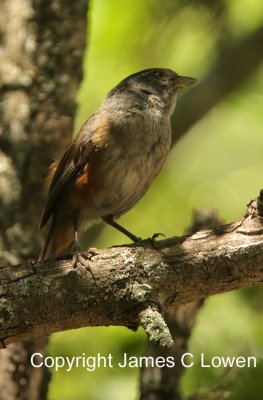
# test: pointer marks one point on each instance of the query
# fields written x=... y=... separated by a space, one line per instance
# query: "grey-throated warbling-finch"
x=114 y=159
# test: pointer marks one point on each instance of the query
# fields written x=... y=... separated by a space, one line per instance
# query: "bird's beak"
x=183 y=82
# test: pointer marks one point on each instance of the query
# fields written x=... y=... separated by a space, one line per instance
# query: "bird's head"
x=159 y=87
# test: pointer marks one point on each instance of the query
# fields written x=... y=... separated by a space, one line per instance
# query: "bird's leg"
x=78 y=256
x=109 y=220
x=152 y=240
x=75 y=245
x=76 y=249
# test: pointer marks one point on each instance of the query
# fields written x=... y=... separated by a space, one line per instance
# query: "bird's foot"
x=84 y=259
x=137 y=241
x=152 y=240
x=78 y=258
x=77 y=253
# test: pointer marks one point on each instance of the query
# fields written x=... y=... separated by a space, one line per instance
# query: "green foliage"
x=227 y=326
x=101 y=383
x=249 y=384
x=217 y=164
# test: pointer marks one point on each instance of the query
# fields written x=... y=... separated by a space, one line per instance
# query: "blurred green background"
x=218 y=163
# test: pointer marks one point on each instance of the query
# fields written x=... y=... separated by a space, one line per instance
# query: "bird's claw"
x=81 y=258
x=153 y=239
x=78 y=258
x=156 y=235
x=77 y=254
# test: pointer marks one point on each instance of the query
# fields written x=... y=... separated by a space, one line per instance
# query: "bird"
x=113 y=160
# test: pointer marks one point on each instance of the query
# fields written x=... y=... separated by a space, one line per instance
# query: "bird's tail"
x=59 y=239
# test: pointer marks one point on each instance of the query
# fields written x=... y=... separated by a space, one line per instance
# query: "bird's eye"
x=160 y=75
x=146 y=92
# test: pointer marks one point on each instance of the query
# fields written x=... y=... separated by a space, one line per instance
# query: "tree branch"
x=114 y=286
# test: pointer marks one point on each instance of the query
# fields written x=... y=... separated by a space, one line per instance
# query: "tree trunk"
x=42 y=46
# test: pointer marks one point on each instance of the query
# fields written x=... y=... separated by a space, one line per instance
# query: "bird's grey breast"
x=139 y=145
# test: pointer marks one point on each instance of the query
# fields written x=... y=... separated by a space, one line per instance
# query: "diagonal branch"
x=117 y=285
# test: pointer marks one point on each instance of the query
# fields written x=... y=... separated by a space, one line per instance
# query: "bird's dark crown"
x=154 y=78
x=156 y=73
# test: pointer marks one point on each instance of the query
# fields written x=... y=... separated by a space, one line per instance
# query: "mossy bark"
x=42 y=47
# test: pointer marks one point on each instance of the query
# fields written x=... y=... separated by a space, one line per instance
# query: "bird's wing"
x=92 y=136
x=71 y=164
